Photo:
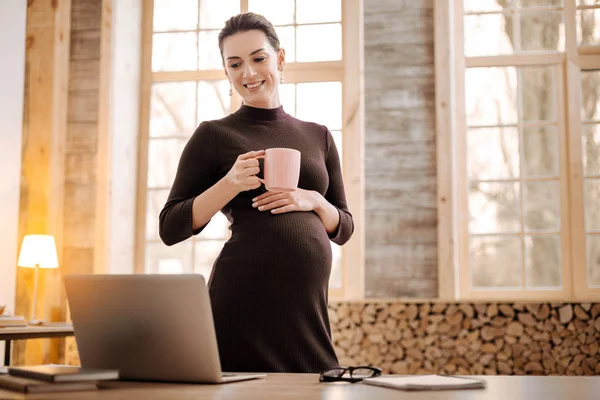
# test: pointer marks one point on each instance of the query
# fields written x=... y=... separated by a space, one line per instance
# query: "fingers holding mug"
x=242 y=175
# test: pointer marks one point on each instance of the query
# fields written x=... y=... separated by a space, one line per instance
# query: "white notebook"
x=426 y=382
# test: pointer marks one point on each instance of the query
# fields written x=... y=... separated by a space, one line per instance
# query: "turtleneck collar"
x=261 y=114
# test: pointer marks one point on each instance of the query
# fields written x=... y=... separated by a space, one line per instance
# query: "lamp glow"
x=37 y=251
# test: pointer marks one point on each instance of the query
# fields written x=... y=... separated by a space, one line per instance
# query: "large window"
x=186 y=85
x=527 y=144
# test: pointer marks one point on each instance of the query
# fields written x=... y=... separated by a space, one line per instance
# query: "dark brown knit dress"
x=268 y=286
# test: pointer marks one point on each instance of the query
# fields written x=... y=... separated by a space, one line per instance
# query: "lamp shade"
x=38 y=250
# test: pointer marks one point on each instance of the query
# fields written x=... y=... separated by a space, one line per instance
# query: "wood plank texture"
x=307 y=386
x=42 y=180
x=400 y=152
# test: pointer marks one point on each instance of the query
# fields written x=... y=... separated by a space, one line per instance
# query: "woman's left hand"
x=282 y=202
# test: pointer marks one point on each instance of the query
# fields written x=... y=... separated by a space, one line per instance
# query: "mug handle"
x=261 y=180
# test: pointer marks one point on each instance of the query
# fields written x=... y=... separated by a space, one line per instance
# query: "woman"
x=268 y=287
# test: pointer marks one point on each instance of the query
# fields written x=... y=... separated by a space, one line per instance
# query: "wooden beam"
x=445 y=126
x=563 y=172
x=518 y=60
x=42 y=181
x=461 y=208
x=103 y=155
x=144 y=132
x=353 y=120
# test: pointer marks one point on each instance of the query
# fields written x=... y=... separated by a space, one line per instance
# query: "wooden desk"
x=31 y=332
x=307 y=386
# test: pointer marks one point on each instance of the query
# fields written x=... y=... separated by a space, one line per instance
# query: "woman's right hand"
x=242 y=176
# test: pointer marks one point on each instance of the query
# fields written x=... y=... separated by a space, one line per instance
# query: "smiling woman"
x=269 y=284
x=187 y=85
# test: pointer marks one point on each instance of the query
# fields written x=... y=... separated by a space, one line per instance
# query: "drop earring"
x=230 y=89
x=281 y=80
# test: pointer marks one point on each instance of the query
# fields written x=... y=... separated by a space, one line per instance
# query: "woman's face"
x=253 y=66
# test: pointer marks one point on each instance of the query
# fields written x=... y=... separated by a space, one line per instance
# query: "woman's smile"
x=253 y=85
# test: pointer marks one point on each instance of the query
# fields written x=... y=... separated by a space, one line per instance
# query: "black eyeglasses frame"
x=343 y=370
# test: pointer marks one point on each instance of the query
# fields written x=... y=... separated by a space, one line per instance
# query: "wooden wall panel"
x=400 y=152
x=83 y=75
x=74 y=146
x=81 y=137
x=83 y=106
x=42 y=175
x=86 y=16
x=85 y=43
x=83 y=140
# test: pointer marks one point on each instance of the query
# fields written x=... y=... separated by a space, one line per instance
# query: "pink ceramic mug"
x=281 y=170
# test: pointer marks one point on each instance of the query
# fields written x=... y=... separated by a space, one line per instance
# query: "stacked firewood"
x=468 y=338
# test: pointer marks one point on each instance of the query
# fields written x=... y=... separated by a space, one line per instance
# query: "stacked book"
x=12 y=321
x=54 y=378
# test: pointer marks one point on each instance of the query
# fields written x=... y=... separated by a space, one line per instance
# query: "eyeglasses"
x=349 y=374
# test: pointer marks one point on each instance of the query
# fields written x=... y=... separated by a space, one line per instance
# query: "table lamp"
x=37 y=251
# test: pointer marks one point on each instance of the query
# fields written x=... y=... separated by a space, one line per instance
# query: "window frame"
x=453 y=236
x=349 y=71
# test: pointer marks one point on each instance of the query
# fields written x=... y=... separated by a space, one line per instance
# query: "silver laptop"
x=149 y=327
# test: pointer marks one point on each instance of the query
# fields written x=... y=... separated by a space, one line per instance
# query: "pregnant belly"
x=289 y=250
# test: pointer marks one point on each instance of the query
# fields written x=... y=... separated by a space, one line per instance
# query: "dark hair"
x=246 y=22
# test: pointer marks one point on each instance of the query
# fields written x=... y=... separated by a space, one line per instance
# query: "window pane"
x=320 y=102
x=206 y=252
x=540 y=151
x=542 y=207
x=214 y=13
x=542 y=31
x=287 y=40
x=591 y=148
x=209 y=55
x=335 y=281
x=497 y=31
x=486 y=5
x=494 y=208
x=590 y=95
x=495 y=261
x=163 y=158
x=178 y=15
x=543 y=261
x=155 y=201
x=287 y=96
x=162 y=259
x=278 y=12
x=592 y=204
x=540 y=3
x=593 y=259
x=217 y=228
x=214 y=101
x=172 y=109
x=174 y=52
x=491 y=96
x=312 y=11
x=319 y=43
x=493 y=153
x=538 y=93
x=588 y=27
x=587 y=2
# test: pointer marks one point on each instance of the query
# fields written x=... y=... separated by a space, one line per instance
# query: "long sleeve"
x=336 y=195
x=196 y=173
